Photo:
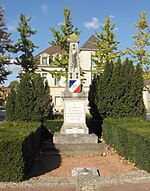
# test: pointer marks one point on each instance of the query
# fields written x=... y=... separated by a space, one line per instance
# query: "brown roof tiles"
x=50 y=50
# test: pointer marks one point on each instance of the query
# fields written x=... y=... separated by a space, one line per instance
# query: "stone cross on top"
x=74 y=66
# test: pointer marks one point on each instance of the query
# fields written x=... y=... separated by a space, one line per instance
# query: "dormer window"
x=44 y=60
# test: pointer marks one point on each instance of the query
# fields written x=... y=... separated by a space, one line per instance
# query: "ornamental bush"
x=131 y=138
x=19 y=144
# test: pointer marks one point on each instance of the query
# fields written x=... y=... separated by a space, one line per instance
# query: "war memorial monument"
x=74 y=129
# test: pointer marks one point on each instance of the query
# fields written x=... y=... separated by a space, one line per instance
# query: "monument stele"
x=74 y=98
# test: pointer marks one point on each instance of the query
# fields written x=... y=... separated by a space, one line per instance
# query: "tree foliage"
x=104 y=94
x=139 y=52
x=5 y=45
x=67 y=28
x=92 y=97
x=33 y=100
x=107 y=50
x=13 y=84
x=25 y=46
x=42 y=100
x=24 y=99
x=61 y=39
x=10 y=106
x=137 y=90
x=119 y=90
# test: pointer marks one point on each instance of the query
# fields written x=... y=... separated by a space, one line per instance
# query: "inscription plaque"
x=75 y=112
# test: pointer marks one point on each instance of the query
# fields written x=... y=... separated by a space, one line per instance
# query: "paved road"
x=121 y=187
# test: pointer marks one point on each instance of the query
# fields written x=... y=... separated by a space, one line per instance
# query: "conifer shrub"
x=92 y=98
x=131 y=138
x=118 y=91
x=10 y=106
x=31 y=101
x=19 y=144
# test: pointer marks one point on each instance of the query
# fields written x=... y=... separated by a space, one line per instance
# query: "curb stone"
x=115 y=179
x=82 y=182
x=93 y=184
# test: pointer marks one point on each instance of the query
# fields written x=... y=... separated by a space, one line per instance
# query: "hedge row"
x=19 y=143
x=131 y=138
x=53 y=125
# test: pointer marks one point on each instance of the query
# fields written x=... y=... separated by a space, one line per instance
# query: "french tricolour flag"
x=74 y=86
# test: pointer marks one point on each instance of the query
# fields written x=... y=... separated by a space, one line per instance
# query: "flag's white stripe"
x=74 y=86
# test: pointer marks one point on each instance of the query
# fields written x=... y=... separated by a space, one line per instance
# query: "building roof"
x=50 y=50
x=88 y=44
x=57 y=49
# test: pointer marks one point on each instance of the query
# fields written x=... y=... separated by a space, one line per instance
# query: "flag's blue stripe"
x=71 y=82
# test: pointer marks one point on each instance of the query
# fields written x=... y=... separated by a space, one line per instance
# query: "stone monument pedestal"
x=74 y=129
x=74 y=113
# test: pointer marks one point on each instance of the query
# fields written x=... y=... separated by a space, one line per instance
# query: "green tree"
x=48 y=101
x=10 y=106
x=13 y=84
x=42 y=104
x=5 y=45
x=33 y=99
x=137 y=90
x=127 y=84
x=61 y=39
x=120 y=91
x=117 y=89
x=134 y=84
x=24 y=99
x=25 y=46
x=107 y=46
x=92 y=97
x=139 y=51
x=122 y=83
x=103 y=92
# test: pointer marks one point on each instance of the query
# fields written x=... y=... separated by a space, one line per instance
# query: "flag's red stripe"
x=78 y=89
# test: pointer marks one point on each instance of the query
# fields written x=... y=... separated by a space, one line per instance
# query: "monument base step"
x=74 y=138
x=76 y=149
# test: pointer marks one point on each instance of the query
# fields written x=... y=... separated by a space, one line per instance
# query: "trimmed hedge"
x=19 y=144
x=131 y=138
x=53 y=125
